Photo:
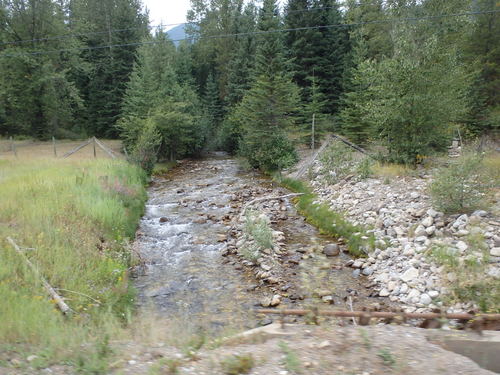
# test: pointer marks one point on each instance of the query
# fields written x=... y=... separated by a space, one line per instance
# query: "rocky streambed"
x=190 y=241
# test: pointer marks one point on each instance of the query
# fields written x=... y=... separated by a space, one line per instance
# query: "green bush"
x=460 y=187
x=146 y=149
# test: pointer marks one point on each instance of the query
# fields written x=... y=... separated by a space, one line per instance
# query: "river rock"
x=358 y=263
x=367 y=271
x=425 y=299
x=462 y=246
x=163 y=219
x=433 y=293
x=495 y=252
x=322 y=292
x=428 y=221
x=276 y=300
x=383 y=293
x=409 y=275
x=331 y=250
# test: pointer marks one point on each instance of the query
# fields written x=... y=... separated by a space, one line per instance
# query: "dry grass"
x=390 y=170
x=35 y=149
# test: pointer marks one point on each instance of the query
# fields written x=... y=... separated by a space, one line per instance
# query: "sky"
x=167 y=11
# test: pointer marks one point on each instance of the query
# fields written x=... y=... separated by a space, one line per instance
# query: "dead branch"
x=56 y=297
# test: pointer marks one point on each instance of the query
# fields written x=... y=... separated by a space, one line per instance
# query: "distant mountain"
x=177 y=33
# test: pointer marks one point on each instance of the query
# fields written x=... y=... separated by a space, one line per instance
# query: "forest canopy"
x=250 y=76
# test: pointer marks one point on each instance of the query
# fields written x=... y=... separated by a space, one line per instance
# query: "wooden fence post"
x=95 y=155
x=54 y=145
x=13 y=146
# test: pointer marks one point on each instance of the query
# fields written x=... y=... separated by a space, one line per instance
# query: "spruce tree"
x=156 y=98
x=356 y=98
x=268 y=109
x=318 y=52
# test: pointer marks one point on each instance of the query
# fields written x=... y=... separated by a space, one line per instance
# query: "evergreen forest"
x=404 y=76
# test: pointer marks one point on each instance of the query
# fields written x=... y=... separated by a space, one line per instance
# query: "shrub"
x=257 y=227
x=146 y=149
x=238 y=364
x=460 y=187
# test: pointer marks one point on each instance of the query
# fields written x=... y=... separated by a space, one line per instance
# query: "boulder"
x=331 y=250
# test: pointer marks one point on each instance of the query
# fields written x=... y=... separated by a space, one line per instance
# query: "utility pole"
x=312 y=133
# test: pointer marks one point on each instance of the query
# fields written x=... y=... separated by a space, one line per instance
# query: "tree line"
x=249 y=77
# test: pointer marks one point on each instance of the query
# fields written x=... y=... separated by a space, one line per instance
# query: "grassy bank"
x=73 y=219
x=328 y=221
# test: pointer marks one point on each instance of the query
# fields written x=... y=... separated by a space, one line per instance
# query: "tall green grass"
x=328 y=221
x=73 y=220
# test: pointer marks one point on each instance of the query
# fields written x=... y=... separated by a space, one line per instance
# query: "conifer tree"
x=354 y=102
x=318 y=52
x=268 y=109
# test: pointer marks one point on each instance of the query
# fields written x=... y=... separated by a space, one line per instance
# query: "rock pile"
x=407 y=229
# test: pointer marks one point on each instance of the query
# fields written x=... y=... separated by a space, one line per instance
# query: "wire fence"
x=90 y=148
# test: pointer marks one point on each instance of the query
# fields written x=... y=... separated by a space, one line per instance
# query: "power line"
x=395 y=20
x=161 y=26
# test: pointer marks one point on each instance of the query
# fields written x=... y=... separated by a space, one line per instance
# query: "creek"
x=184 y=234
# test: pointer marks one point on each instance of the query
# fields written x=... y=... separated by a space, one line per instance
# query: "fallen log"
x=256 y=200
x=51 y=291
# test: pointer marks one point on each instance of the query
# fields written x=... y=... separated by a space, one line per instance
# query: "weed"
x=258 y=227
x=444 y=255
x=462 y=186
x=163 y=168
x=238 y=364
x=471 y=283
x=366 y=338
x=292 y=361
x=364 y=169
x=165 y=366
x=387 y=357
x=389 y=170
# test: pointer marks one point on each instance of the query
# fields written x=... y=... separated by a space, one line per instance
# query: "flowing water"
x=183 y=234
